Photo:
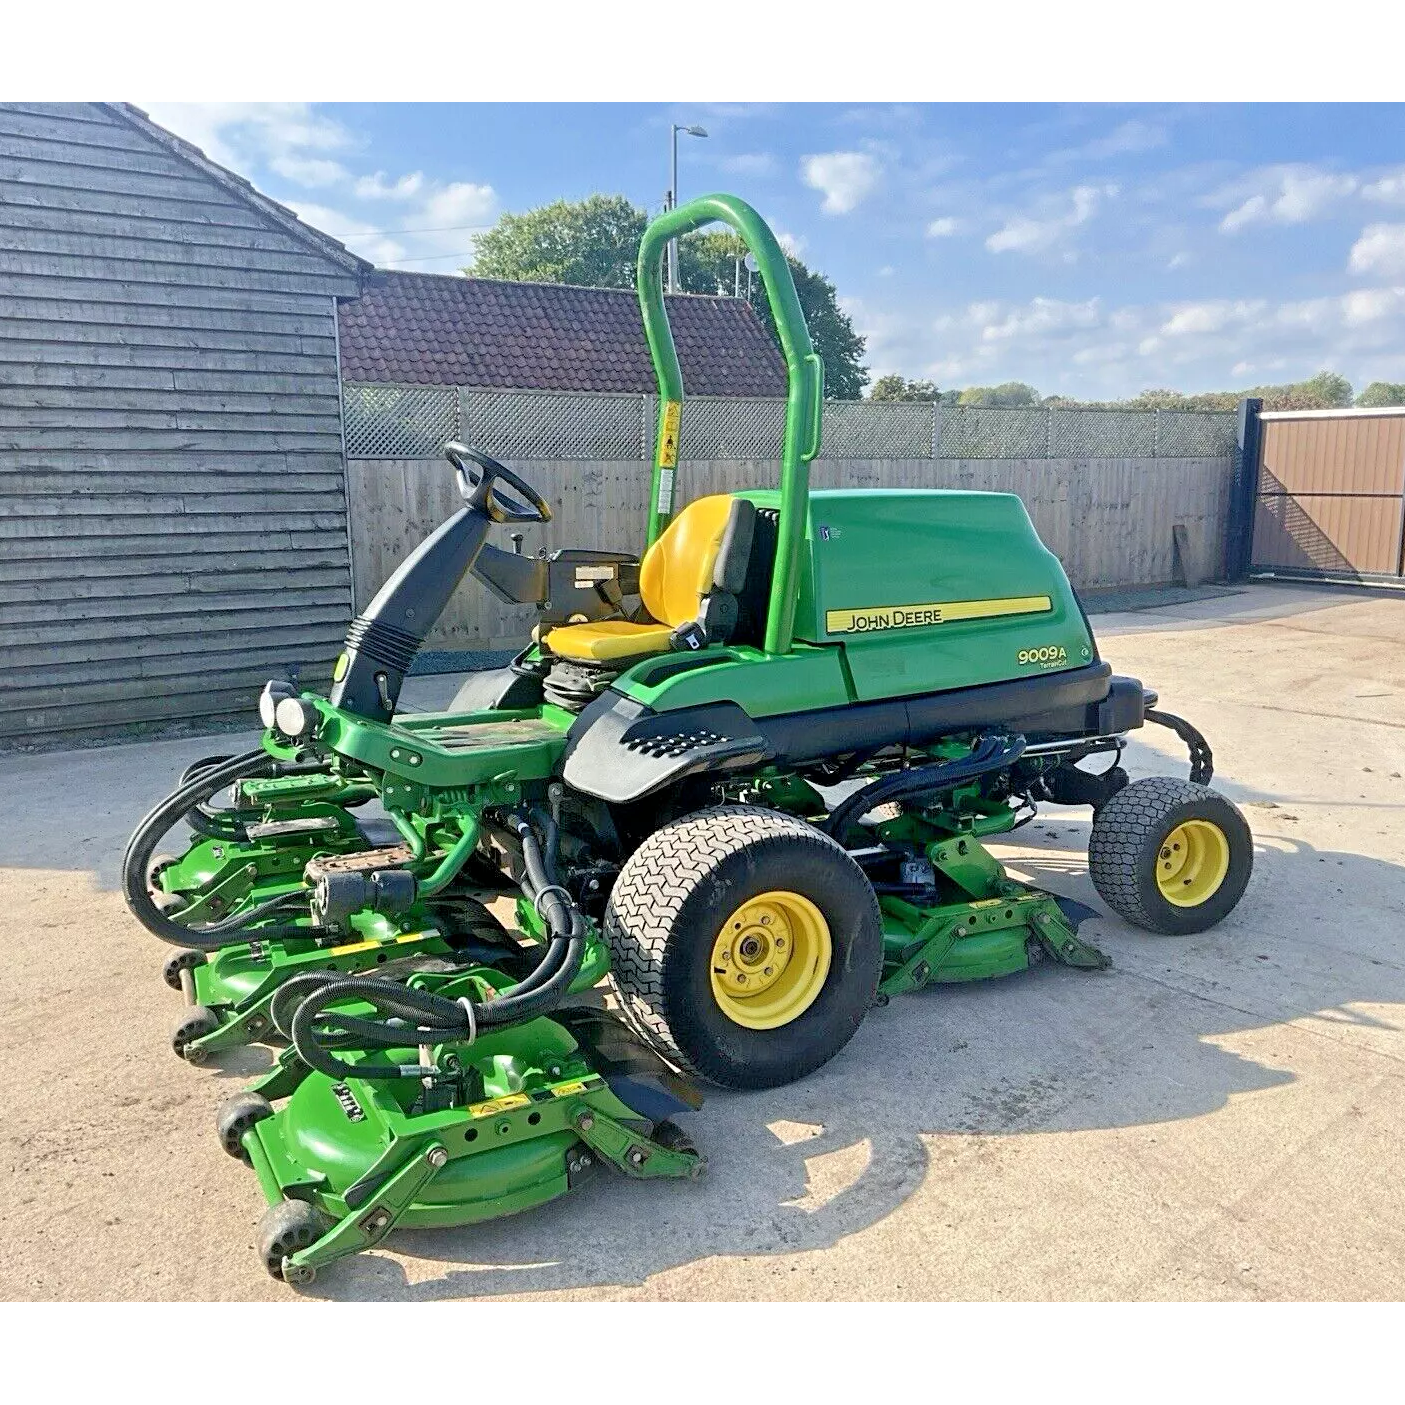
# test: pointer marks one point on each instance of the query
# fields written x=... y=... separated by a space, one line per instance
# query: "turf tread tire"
x=1127 y=833
x=648 y=901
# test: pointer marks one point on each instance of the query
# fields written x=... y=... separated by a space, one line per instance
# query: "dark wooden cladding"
x=172 y=490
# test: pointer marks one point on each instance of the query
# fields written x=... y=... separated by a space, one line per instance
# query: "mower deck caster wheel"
x=287 y=1227
x=181 y=961
x=156 y=865
x=169 y=904
x=235 y=1116
x=199 y=1021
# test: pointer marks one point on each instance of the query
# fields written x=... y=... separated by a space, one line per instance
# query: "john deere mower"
x=747 y=775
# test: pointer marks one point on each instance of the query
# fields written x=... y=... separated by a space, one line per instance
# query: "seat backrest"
x=677 y=571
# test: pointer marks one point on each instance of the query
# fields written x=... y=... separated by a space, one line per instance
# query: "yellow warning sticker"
x=668 y=442
x=353 y=948
x=567 y=1090
x=941 y=612
x=505 y=1104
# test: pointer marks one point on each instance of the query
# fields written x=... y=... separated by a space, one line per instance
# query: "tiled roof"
x=441 y=329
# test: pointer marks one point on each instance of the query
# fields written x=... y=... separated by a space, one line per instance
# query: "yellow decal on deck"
x=353 y=948
x=942 y=612
x=566 y=1090
x=668 y=442
x=493 y=1105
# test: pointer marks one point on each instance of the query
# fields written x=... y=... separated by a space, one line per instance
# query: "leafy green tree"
x=894 y=387
x=591 y=243
x=1332 y=390
x=595 y=243
x=1009 y=394
x=1380 y=393
x=707 y=263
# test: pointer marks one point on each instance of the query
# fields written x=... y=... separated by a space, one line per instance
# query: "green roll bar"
x=804 y=404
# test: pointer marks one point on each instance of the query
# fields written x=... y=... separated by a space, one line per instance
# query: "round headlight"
x=292 y=718
x=268 y=708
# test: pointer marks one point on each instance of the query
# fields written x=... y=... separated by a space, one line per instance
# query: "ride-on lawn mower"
x=747 y=776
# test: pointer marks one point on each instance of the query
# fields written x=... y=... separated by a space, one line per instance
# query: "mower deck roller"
x=746 y=776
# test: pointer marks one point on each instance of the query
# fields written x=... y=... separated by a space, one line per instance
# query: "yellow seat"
x=674 y=576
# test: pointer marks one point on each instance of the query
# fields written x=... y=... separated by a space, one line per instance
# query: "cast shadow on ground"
x=1049 y=1050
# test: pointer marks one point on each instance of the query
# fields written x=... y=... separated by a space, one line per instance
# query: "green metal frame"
x=804 y=405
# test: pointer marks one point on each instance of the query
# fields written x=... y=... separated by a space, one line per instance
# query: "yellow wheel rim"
x=1192 y=863
x=770 y=960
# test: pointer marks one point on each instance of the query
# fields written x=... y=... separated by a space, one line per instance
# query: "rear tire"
x=1136 y=855
x=667 y=914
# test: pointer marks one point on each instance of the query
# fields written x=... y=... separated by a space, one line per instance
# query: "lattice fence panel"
x=1195 y=434
x=1101 y=434
x=544 y=425
x=860 y=429
x=399 y=421
x=987 y=432
x=731 y=429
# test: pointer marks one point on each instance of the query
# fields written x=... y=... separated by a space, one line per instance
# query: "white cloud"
x=1380 y=249
x=377 y=187
x=378 y=248
x=750 y=163
x=1130 y=137
x=1041 y=317
x=845 y=178
x=312 y=171
x=460 y=203
x=1282 y=195
x=943 y=228
x=739 y=111
x=243 y=134
x=1178 y=260
x=1051 y=224
x=1199 y=318
x=1388 y=190
x=428 y=224
x=1093 y=350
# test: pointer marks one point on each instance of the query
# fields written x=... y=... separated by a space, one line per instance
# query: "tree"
x=595 y=243
x=1380 y=393
x=896 y=388
x=707 y=263
x=1009 y=394
x=591 y=243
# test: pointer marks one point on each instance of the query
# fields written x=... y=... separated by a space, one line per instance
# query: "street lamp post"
x=673 y=196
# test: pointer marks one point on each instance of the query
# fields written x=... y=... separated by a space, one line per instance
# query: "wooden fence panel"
x=1109 y=521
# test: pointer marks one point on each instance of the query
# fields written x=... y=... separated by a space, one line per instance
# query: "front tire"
x=1170 y=856
x=746 y=946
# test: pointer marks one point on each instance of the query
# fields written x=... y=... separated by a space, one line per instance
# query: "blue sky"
x=1089 y=249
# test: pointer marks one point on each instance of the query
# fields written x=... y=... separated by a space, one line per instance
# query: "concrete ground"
x=1216 y=1117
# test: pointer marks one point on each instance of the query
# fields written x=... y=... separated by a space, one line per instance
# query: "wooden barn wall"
x=172 y=490
x=1109 y=521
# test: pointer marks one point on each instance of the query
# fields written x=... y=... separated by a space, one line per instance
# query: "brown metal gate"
x=1331 y=495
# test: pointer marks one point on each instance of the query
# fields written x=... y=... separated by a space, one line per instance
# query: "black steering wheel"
x=493 y=489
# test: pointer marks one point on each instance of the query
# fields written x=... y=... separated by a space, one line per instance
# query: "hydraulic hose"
x=418 y=1017
x=988 y=754
x=153 y=828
